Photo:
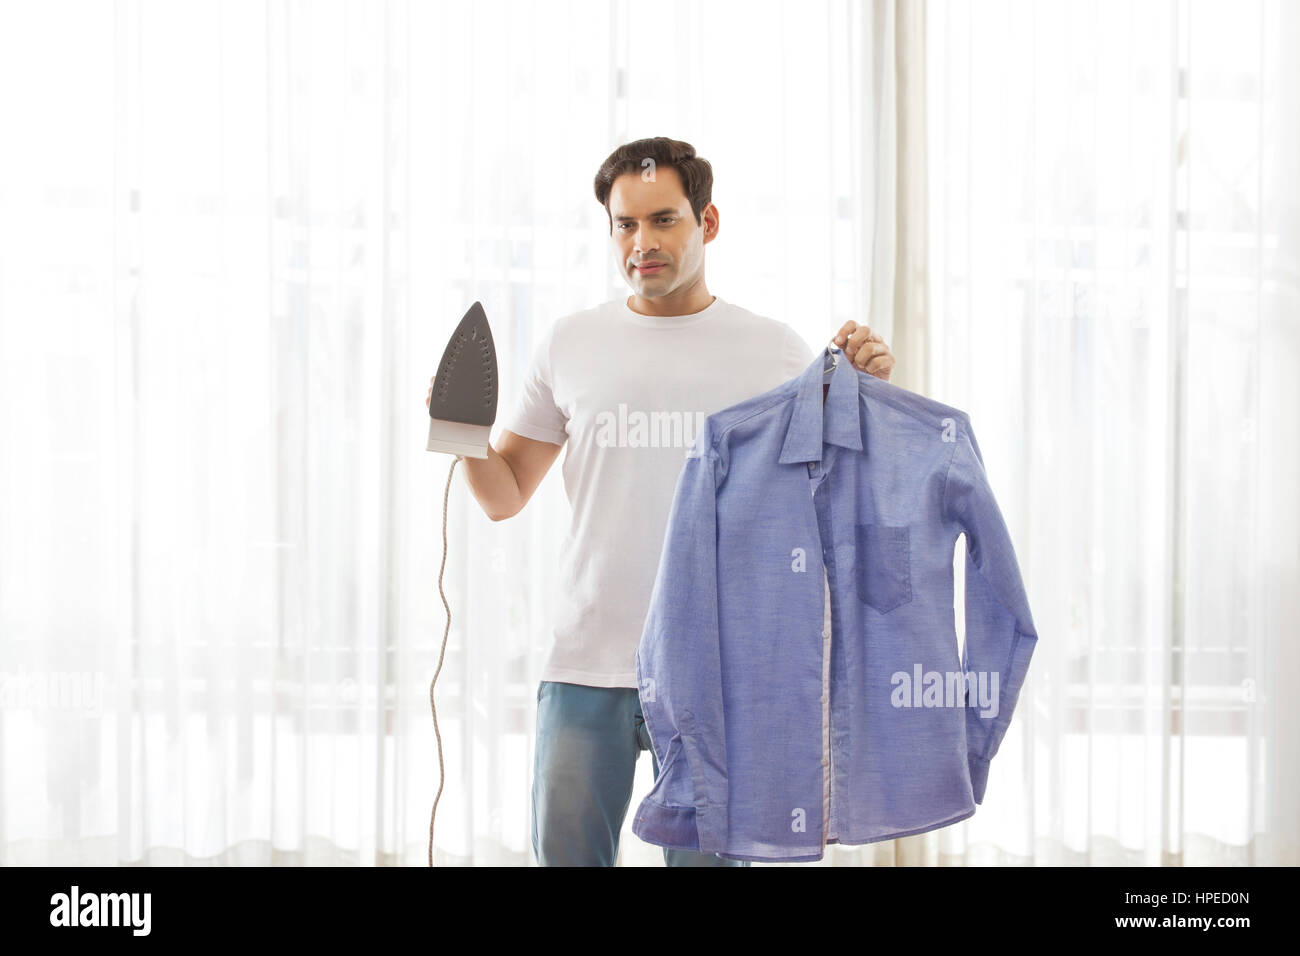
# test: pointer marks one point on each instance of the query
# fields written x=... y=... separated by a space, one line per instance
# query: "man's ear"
x=704 y=221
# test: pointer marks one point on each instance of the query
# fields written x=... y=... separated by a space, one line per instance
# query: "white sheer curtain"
x=1115 y=254
x=233 y=240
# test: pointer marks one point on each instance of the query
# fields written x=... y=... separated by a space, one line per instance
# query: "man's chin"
x=649 y=290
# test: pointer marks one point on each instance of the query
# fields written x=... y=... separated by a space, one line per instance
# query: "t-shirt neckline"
x=669 y=321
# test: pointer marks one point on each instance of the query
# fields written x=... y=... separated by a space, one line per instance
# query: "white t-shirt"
x=629 y=392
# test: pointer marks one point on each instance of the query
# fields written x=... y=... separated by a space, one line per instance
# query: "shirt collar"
x=843 y=427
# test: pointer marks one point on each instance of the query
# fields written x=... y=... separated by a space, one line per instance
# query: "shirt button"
x=825 y=762
x=826 y=634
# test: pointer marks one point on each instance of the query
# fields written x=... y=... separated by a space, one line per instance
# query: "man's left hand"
x=865 y=349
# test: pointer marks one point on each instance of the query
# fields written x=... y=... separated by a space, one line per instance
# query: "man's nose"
x=642 y=244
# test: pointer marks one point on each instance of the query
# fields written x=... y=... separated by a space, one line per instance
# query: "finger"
x=880 y=366
x=860 y=335
x=856 y=341
x=867 y=353
x=845 y=331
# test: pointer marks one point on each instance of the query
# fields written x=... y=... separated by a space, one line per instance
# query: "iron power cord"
x=434 y=707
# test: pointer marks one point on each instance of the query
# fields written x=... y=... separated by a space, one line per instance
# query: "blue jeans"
x=588 y=742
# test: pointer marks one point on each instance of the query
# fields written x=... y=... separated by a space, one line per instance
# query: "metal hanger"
x=832 y=355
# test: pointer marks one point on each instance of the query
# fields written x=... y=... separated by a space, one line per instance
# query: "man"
x=627 y=384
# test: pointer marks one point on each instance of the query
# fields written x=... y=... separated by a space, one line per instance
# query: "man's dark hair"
x=696 y=173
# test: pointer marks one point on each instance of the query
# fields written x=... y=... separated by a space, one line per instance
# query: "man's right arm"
x=505 y=480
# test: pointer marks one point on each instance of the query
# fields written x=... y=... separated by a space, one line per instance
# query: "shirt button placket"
x=817 y=474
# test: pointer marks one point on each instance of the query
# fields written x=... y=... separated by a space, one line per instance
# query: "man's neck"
x=685 y=303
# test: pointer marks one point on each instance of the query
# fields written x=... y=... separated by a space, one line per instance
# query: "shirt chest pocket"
x=884 y=566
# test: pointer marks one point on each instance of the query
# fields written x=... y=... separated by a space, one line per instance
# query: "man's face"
x=653 y=225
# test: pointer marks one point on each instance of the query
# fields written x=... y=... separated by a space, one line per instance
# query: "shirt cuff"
x=979 y=776
x=682 y=828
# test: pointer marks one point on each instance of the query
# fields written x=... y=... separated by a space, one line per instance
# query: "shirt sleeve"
x=1000 y=634
x=536 y=414
x=679 y=671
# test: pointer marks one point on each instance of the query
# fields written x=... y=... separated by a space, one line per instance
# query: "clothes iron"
x=462 y=410
x=463 y=406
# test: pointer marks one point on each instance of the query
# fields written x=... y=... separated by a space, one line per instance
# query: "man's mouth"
x=650 y=268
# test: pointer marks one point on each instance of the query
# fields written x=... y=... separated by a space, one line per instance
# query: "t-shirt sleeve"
x=535 y=413
x=798 y=356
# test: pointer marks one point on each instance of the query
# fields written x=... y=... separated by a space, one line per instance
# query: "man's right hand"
x=507 y=478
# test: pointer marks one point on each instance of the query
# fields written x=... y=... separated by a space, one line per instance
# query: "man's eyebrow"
x=657 y=212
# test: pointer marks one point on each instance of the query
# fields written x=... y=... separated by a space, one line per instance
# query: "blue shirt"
x=798 y=670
